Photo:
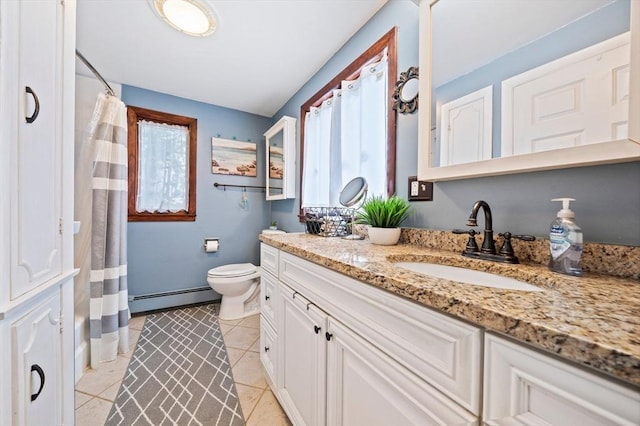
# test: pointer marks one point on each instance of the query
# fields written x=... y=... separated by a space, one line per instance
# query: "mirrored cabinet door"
x=280 y=155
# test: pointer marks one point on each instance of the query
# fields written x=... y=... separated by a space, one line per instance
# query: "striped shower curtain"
x=109 y=310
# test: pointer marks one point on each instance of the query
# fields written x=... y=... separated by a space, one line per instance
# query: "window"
x=348 y=128
x=162 y=166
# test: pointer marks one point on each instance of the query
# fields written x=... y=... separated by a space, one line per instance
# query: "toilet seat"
x=233 y=270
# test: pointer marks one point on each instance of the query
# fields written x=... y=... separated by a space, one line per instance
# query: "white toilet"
x=239 y=285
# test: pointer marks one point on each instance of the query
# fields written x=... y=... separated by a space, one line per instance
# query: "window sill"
x=162 y=217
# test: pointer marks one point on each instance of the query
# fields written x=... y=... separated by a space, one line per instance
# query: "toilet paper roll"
x=211 y=246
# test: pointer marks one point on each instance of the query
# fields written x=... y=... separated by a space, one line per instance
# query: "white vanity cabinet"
x=352 y=354
x=526 y=387
x=381 y=359
x=37 y=53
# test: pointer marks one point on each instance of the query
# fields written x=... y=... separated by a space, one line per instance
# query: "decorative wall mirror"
x=521 y=88
x=405 y=93
x=280 y=159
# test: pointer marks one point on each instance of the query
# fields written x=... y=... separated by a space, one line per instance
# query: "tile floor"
x=97 y=389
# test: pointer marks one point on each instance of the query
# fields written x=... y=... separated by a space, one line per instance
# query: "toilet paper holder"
x=211 y=245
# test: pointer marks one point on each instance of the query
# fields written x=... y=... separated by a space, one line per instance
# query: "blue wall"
x=166 y=256
x=608 y=206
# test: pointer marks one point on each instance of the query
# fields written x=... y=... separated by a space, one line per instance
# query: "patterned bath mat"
x=179 y=374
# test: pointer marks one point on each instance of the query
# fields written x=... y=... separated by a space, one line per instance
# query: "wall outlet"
x=420 y=190
x=414 y=188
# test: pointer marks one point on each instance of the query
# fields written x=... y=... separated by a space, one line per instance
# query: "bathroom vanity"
x=348 y=337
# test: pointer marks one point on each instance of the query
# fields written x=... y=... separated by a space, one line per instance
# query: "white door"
x=36 y=362
x=580 y=99
x=302 y=359
x=466 y=128
x=366 y=387
x=36 y=140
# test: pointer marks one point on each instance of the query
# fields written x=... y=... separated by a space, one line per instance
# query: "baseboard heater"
x=168 y=293
x=171 y=299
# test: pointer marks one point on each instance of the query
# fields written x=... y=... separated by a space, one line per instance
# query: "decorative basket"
x=328 y=221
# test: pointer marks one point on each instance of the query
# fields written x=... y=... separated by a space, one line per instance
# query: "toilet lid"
x=233 y=270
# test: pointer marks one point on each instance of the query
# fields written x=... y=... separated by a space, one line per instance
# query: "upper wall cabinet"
x=281 y=159
x=559 y=85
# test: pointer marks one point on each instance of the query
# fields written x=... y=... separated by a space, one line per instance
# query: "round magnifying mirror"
x=353 y=193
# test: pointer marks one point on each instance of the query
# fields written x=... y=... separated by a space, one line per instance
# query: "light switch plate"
x=420 y=190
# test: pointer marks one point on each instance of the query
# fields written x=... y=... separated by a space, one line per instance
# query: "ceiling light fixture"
x=192 y=17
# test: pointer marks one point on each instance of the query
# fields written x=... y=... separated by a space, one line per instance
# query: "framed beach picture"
x=231 y=157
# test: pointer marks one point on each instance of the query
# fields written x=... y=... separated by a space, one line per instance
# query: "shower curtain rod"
x=96 y=73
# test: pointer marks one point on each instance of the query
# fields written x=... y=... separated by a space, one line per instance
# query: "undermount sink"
x=467 y=276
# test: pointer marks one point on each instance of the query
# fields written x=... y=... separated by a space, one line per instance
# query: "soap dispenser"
x=565 y=241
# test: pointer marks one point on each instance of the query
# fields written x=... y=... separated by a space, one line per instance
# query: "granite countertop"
x=593 y=320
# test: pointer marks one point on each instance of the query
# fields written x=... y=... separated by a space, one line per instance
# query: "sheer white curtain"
x=364 y=128
x=321 y=172
x=163 y=167
x=346 y=137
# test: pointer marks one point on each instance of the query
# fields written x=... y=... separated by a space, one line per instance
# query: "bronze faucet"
x=488 y=245
x=488 y=249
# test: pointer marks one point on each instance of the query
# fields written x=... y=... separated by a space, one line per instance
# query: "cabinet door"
x=366 y=387
x=36 y=141
x=302 y=359
x=525 y=387
x=269 y=298
x=36 y=362
x=269 y=353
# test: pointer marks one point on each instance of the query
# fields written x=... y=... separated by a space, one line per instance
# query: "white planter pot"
x=384 y=236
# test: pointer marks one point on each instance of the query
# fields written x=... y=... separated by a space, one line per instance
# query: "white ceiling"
x=260 y=55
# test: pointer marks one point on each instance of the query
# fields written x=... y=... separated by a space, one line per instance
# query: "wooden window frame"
x=134 y=115
x=351 y=72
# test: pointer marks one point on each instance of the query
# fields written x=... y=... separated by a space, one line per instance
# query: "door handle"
x=36 y=110
x=37 y=369
x=316 y=329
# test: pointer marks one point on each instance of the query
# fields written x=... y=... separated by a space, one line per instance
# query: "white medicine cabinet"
x=280 y=159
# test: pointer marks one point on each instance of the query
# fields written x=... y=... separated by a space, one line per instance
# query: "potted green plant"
x=274 y=225
x=384 y=217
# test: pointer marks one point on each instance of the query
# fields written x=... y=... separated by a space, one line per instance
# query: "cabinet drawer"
x=527 y=387
x=269 y=352
x=441 y=350
x=269 y=258
x=269 y=298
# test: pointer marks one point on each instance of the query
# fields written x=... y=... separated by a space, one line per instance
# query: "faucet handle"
x=471 y=232
x=472 y=245
x=507 y=248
